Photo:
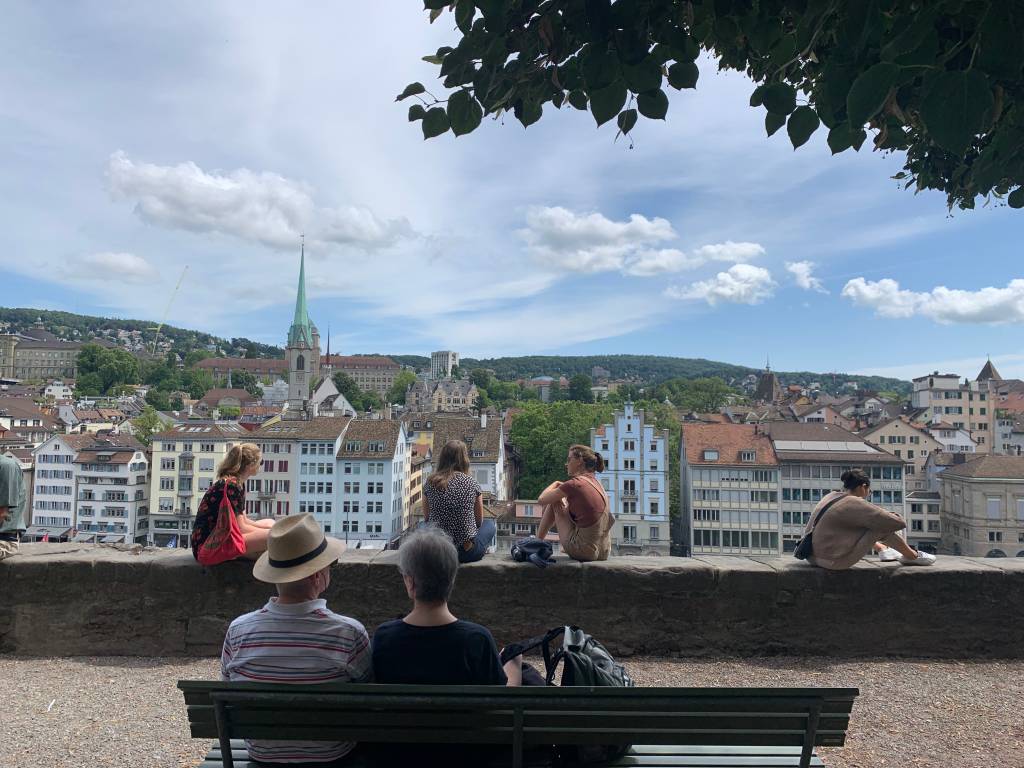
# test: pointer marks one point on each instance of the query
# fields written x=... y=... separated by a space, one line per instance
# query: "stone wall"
x=68 y=599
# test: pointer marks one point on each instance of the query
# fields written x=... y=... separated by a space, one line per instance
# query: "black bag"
x=584 y=662
x=805 y=547
x=533 y=550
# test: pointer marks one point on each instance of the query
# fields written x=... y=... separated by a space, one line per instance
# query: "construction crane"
x=168 y=309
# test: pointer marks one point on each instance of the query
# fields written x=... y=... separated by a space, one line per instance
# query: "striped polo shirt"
x=298 y=643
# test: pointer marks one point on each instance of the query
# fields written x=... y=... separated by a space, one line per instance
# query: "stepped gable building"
x=982 y=507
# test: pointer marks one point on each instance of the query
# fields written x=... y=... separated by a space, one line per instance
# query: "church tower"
x=303 y=352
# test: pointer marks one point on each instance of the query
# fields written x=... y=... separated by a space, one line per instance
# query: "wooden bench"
x=667 y=726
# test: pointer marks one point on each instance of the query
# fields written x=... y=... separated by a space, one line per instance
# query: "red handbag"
x=225 y=541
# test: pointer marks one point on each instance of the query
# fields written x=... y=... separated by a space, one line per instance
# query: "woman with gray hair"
x=430 y=646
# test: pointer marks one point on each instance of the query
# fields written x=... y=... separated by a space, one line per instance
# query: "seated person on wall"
x=295 y=638
x=852 y=527
x=240 y=463
x=578 y=507
x=452 y=501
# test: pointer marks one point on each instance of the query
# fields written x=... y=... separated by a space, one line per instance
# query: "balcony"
x=183 y=512
x=185 y=492
x=265 y=494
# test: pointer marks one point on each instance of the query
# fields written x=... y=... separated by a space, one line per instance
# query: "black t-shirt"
x=460 y=653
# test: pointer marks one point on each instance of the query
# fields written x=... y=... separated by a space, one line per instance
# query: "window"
x=995 y=536
x=629 y=487
x=167 y=464
x=654 y=508
x=710 y=455
x=748 y=456
x=629 y=507
x=655 y=533
x=629 y=533
x=629 y=445
x=917 y=525
x=933 y=526
x=166 y=483
x=206 y=465
x=1020 y=510
x=993 y=508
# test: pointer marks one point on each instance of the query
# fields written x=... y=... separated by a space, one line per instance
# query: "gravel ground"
x=126 y=711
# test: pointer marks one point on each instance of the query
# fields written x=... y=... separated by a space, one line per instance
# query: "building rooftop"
x=989 y=467
x=370 y=439
x=360 y=361
x=217 y=394
x=320 y=428
x=205 y=430
x=729 y=440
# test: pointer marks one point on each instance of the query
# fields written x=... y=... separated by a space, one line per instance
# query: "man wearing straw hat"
x=295 y=638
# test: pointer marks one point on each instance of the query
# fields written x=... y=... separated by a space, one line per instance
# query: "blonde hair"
x=454 y=458
x=240 y=458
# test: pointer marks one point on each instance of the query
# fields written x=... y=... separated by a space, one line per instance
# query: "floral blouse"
x=206 y=518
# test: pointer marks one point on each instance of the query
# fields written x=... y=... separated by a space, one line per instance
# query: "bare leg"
x=255 y=543
x=267 y=522
x=552 y=516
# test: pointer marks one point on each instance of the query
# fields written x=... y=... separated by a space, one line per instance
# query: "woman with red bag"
x=222 y=530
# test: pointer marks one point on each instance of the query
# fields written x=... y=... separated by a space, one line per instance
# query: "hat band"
x=298 y=560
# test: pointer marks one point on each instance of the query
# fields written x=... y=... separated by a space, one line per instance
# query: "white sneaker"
x=923 y=558
x=889 y=555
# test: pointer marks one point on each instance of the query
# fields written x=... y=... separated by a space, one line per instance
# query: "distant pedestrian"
x=578 y=507
x=12 y=506
x=210 y=537
x=852 y=527
x=453 y=501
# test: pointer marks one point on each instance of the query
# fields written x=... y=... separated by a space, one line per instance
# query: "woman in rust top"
x=579 y=509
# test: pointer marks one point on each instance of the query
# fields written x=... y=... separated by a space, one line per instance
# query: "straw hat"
x=296 y=548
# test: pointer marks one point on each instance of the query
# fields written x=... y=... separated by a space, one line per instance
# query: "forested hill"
x=67 y=325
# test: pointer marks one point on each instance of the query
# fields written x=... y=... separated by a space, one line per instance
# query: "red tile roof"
x=729 y=440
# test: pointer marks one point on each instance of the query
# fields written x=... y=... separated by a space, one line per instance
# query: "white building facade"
x=636 y=480
x=442 y=363
x=372 y=481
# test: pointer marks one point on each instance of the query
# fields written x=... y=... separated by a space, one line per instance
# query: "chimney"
x=483 y=420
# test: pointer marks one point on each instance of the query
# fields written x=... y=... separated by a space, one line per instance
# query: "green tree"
x=247 y=381
x=701 y=395
x=347 y=386
x=88 y=385
x=542 y=434
x=480 y=377
x=579 y=388
x=146 y=424
x=194 y=356
x=158 y=399
x=404 y=380
x=456 y=372
x=229 y=412
x=937 y=81
x=197 y=382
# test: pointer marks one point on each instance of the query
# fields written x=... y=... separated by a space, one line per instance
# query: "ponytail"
x=592 y=461
x=238 y=459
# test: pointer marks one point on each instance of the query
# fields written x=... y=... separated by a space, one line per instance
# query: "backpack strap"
x=826 y=508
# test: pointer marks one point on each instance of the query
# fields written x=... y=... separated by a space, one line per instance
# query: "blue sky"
x=211 y=135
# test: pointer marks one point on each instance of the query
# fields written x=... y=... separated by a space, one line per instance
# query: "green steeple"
x=301 y=331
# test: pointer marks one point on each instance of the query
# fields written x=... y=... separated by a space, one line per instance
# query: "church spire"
x=301 y=330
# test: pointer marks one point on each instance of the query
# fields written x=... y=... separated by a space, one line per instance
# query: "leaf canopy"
x=939 y=81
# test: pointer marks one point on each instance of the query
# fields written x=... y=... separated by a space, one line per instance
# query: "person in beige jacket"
x=852 y=527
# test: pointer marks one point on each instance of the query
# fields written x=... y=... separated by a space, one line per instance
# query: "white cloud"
x=740 y=284
x=943 y=305
x=557 y=237
x=730 y=251
x=259 y=207
x=109 y=266
x=656 y=262
x=803 y=275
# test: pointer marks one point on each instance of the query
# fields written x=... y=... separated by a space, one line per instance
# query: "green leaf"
x=645 y=76
x=778 y=98
x=869 y=92
x=653 y=104
x=1000 y=52
x=412 y=89
x=913 y=34
x=802 y=123
x=1016 y=198
x=840 y=138
x=859 y=135
x=528 y=111
x=772 y=122
x=600 y=68
x=683 y=74
x=416 y=112
x=435 y=5
x=464 y=12
x=755 y=97
x=435 y=122
x=578 y=99
x=464 y=113
x=605 y=103
x=955 y=107
x=627 y=119
x=433 y=59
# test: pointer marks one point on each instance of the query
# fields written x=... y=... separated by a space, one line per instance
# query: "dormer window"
x=748 y=456
x=710 y=455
